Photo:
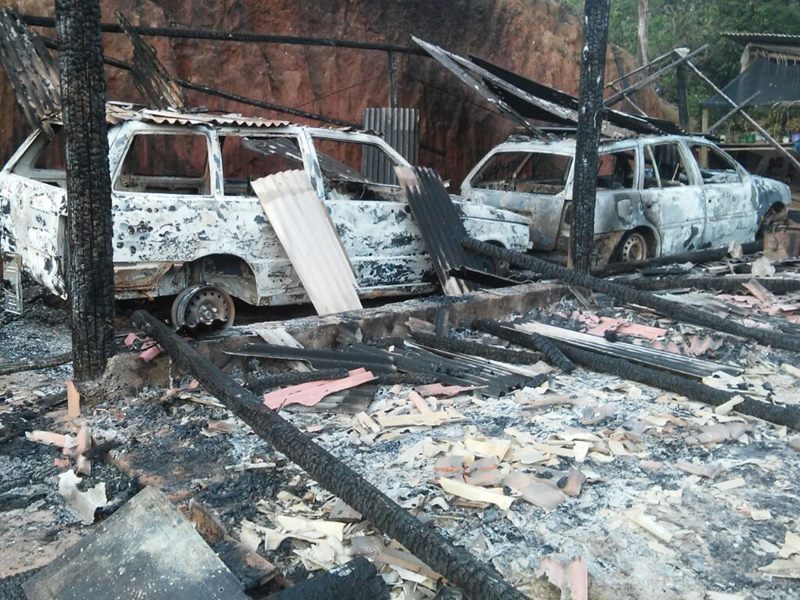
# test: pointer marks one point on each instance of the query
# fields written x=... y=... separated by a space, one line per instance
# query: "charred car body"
x=197 y=229
x=656 y=195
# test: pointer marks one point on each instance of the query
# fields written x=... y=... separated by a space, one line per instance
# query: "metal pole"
x=651 y=78
x=392 y=79
x=772 y=142
x=593 y=68
x=91 y=267
x=733 y=111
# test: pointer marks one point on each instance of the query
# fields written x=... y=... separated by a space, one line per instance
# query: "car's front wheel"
x=633 y=247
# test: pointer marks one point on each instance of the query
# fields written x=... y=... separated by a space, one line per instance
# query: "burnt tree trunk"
x=91 y=269
x=593 y=69
x=683 y=100
x=641 y=30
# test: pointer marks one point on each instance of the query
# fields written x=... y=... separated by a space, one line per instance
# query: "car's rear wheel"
x=633 y=247
x=203 y=306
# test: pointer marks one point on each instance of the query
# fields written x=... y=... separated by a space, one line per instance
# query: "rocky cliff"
x=537 y=38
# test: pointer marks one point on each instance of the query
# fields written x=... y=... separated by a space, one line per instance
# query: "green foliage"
x=692 y=23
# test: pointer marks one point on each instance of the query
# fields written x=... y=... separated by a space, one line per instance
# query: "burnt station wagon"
x=656 y=195
x=187 y=223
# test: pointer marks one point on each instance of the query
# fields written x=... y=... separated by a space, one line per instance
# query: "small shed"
x=769 y=79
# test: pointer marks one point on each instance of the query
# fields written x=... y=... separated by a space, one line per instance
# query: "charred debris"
x=540 y=426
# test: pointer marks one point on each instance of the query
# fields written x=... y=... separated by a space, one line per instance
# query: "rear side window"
x=166 y=164
x=533 y=172
x=664 y=166
x=715 y=166
x=616 y=170
x=245 y=159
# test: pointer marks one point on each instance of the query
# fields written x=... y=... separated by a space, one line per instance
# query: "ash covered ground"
x=713 y=533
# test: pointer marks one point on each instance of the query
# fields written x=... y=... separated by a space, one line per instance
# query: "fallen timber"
x=727 y=283
x=671 y=382
x=698 y=256
x=457 y=565
x=629 y=295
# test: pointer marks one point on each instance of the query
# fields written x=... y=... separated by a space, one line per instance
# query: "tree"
x=91 y=269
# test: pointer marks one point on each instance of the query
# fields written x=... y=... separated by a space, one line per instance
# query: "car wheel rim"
x=634 y=249
x=203 y=306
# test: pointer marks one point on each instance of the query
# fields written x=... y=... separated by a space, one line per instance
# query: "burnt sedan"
x=656 y=195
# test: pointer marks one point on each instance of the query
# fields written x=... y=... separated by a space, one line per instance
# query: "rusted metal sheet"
x=121 y=112
x=400 y=128
x=31 y=70
x=633 y=123
x=149 y=75
x=450 y=62
x=306 y=232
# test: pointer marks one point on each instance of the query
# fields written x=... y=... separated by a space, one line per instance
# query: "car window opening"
x=526 y=172
x=617 y=170
x=715 y=166
x=664 y=166
x=161 y=163
x=246 y=159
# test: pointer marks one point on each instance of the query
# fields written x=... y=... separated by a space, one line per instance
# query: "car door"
x=372 y=220
x=164 y=197
x=731 y=206
x=672 y=197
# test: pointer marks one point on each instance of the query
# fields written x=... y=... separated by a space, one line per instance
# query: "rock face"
x=537 y=38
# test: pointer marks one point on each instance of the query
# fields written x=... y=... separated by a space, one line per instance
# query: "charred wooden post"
x=91 y=268
x=593 y=69
x=627 y=294
x=478 y=580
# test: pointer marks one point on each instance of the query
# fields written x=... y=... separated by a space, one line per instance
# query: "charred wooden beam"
x=354 y=580
x=475 y=578
x=627 y=294
x=438 y=342
x=700 y=256
x=593 y=69
x=788 y=415
x=527 y=340
x=47 y=362
x=91 y=266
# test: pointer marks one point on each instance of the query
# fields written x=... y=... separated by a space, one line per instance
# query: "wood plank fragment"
x=73 y=400
x=475 y=494
x=308 y=236
x=649 y=524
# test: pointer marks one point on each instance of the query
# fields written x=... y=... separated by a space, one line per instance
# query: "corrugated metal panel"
x=308 y=236
x=744 y=37
x=31 y=71
x=440 y=222
x=116 y=113
x=400 y=128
